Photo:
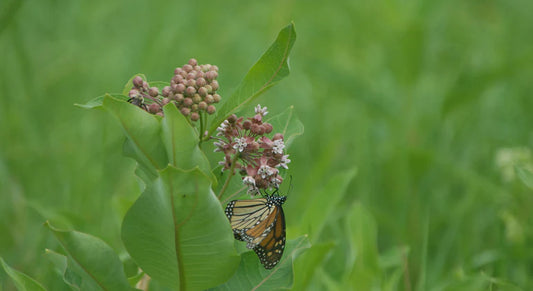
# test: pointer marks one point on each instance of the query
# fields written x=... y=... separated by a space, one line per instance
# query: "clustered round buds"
x=257 y=158
x=193 y=89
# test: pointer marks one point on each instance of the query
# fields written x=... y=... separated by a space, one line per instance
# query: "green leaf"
x=271 y=68
x=181 y=143
x=362 y=233
x=321 y=206
x=526 y=175
x=22 y=281
x=310 y=261
x=178 y=234
x=93 y=261
x=98 y=102
x=64 y=267
x=251 y=275
x=288 y=124
x=143 y=133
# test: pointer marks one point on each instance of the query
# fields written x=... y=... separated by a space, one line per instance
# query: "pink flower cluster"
x=257 y=157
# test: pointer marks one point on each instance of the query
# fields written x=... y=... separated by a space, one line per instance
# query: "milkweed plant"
x=195 y=148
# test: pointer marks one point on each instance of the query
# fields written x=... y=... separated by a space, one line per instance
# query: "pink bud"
x=137 y=81
x=188 y=102
x=211 y=109
x=278 y=136
x=185 y=111
x=195 y=116
x=154 y=108
x=154 y=91
x=202 y=91
x=187 y=68
x=166 y=91
x=193 y=62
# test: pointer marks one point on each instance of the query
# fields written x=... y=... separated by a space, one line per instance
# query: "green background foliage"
x=413 y=171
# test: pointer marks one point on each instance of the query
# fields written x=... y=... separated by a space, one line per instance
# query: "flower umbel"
x=256 y=157
x=192 y=89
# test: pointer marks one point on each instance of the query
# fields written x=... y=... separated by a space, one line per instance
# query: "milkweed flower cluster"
x=256 y=156
x=193 y=89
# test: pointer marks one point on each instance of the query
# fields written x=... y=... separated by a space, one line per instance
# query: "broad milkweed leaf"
x=143 y=133
x=178 y=234
x=181 y=143
x=288 y=124
x=95 y=263
x=22 y=281
x=271 y=68
x=61 y=264
x=251 y=275
x=98 y=102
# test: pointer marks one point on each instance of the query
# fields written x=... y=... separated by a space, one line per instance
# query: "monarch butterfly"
x=261 y=223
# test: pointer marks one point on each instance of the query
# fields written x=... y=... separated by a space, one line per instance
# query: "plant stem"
x=201 y=134
x=231 y=173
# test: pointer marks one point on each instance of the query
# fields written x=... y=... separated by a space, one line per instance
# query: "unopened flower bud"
x=254 y=128
x=197 y=68
x=188 y=102
x=166 y=91
x=216 y=98
x=154 y=91
x=232 y=118
x=138 y=81
x=200 y=74
x=202 y=91
x=209 y=98
x=195 y=116
x=268 y=127
x=177 y=79
x=214 y=68
x=214 y=85
x=206 y=67
x=209 y=89
x=178 y=97
x=160 y=113
x=177 y=71
x=191 y=82
x=154 y=108
x=194 y=107
x=180 y=88
x=211 y=75
x=260 y=130
x=211 y=109
x=185 y=111
x=201 y=82
x=190 y=91
x=165 y=101
x=247 y=124
x=187 y=68
x=202 y=105
x=196 y=98
x=145 y=85
x=193 y=62
x=133 y=93
x=278 y=136
x=191 y=75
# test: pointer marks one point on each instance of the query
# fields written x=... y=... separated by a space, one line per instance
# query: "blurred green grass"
x=419 y=96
